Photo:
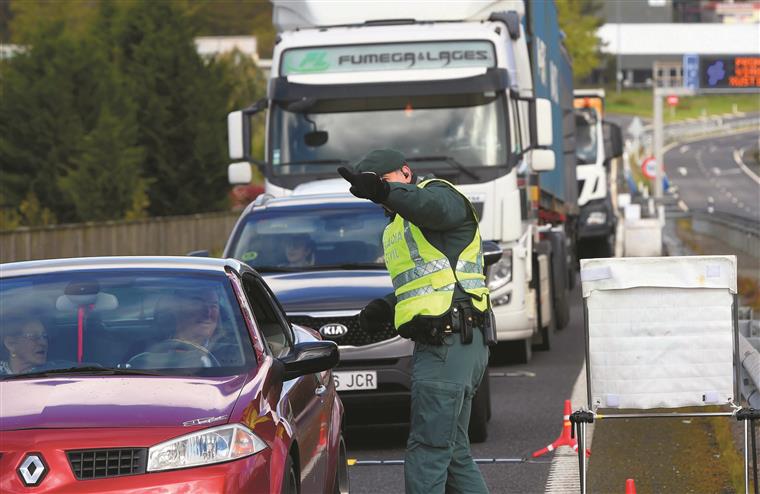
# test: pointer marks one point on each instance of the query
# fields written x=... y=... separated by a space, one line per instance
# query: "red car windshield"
x=167 y=322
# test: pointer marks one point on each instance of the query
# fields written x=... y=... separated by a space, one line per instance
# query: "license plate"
x=355 y=380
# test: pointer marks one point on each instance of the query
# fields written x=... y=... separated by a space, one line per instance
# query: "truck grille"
x=100 y=463
x=355 y=336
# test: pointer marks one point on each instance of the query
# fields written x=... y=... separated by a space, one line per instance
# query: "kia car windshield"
x=295 y=239
x=121 y=322
x=310 y=137
x=585 y=135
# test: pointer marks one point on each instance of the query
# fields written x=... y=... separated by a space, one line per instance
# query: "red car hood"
x=131 y=401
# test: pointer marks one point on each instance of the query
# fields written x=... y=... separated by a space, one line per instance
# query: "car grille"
x=355 y=336
x=100 y=463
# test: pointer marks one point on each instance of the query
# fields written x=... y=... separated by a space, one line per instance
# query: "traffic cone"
x=630 y=486
x=564 y=438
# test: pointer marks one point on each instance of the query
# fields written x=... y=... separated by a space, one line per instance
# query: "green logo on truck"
x=313 y=61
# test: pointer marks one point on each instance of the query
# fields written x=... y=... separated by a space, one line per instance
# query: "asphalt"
x=527 y=415
x=706 y=174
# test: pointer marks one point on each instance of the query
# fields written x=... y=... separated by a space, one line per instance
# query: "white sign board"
x=660 y=331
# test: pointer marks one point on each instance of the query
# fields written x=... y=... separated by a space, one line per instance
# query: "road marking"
x=710 y=209
x=734 y=200
x=564 y=476
x=716 y=170
x=683 y=148
x=710 y=199
x=683 y=171
x=512 y=374
x=740 y=205
x=682 y=206
x=738 y=155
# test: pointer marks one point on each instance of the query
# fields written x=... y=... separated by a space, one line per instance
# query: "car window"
x=311 y=238
x=173 y=322
x=272 y=325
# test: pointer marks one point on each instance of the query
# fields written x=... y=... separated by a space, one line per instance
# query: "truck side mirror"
x=239 y=173
x=613 y=140
x=542 y=160
x=239 y=130
x=542 y=124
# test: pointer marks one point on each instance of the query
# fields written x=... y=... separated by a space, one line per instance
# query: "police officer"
x=433 y=253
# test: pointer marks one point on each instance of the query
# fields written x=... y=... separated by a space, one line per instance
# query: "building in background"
x=637 y=33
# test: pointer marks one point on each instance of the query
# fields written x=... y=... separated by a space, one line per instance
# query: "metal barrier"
x=696 y=127
x=171 y=235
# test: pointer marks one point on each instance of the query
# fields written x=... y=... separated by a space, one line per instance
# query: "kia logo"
x=32 y=470
x=333 y=330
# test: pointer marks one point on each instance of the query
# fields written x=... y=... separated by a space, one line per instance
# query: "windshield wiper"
x=350 y=265
x=278 y=269
x=449 y=160
x=315 y=162
x=85 y=369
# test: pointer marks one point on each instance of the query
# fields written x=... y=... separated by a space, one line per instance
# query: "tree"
x=181 y=108
x=578 y=21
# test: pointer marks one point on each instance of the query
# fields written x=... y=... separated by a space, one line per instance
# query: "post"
x=657 y=141
x=618 y=62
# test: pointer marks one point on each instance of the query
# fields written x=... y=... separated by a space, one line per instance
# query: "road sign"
x=729 y=72
x=672 y=100
x=691 y=71
x=649 y=168
x=636 y=128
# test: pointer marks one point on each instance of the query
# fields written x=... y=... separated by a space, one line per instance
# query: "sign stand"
x=647 y=319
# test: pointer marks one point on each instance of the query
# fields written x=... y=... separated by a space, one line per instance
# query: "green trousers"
x=444 y=381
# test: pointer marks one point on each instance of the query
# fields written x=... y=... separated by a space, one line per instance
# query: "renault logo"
x=333 y=330
x=32 y=470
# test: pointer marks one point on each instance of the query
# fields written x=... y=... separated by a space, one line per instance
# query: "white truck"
x=478 y=93
x=596 y=143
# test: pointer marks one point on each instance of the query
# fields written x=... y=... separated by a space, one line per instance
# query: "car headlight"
x=500 y=273
x=205 y=447
x=596 y=218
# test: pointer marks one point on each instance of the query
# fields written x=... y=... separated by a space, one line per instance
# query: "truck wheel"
x=559 y=270
x=478 y=429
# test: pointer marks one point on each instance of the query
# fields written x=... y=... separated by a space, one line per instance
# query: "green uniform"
x=444 y=378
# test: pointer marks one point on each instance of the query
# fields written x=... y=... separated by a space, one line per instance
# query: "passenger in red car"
x=26 y=343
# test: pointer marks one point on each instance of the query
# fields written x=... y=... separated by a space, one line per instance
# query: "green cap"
x=380 y=161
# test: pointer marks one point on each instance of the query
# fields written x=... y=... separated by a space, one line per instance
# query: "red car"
x=162 y=375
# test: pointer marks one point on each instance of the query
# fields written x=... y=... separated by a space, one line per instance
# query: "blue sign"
x=691 y=71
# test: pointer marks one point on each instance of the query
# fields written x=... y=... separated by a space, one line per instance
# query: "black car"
x=322 y=255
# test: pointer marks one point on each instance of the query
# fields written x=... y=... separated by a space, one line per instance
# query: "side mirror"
x=613 y=140
x=491 y=252
x=239 y=130
x=198 y=253
x=310 y=357
x=239 y=173
x=542 y=124
x=542 y=160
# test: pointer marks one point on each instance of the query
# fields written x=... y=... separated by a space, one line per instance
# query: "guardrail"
x=749 y=354
x=170 y=235
x=741 y=233
x=696 y=127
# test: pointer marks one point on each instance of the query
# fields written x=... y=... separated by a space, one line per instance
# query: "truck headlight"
x=596 y=218
x=500 y=273
x=205 y=447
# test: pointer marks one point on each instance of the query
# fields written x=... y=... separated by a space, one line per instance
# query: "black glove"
x=366 y=185
x=375 y=316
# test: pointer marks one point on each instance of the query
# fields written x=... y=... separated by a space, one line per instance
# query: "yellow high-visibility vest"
x=423 y=278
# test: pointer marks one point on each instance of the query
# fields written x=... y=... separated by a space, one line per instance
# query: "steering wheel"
x=173 y=344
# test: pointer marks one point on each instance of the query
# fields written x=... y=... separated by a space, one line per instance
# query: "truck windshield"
x=470 y=129
x=586 y=135
x=294 y=239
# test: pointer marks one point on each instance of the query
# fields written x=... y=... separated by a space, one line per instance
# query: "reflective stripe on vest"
x=423 y=278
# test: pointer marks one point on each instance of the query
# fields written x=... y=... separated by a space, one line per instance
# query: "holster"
x=489 y=329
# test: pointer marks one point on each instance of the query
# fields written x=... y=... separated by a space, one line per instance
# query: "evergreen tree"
x=181 y=108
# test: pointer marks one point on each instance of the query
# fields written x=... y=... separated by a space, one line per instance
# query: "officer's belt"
x=431 y=330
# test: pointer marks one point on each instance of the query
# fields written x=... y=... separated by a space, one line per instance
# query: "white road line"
x=738 y=155
x=710 y=199
x=564 y=476
x=683 y=148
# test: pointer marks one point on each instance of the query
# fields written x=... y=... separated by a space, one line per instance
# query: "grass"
x=639 y=102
